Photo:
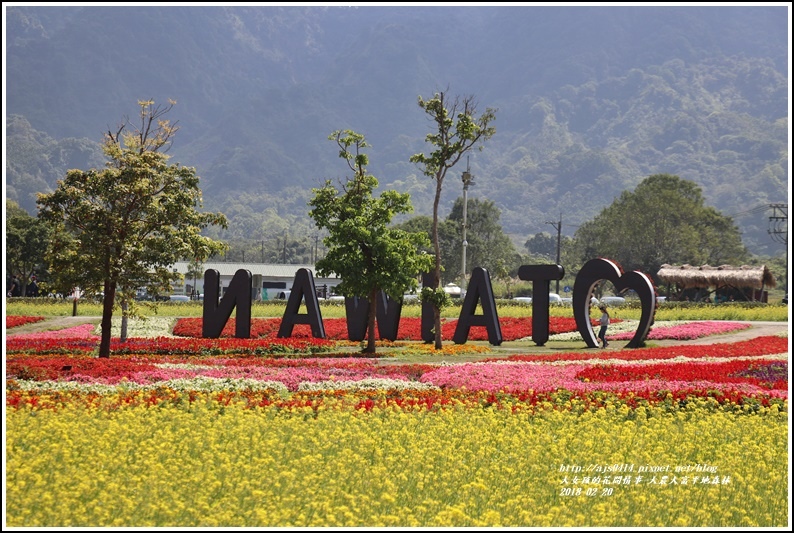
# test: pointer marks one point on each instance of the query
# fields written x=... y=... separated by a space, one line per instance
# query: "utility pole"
x=778 y=223
x=558 y=226
x=778 y=228
x=467 y=180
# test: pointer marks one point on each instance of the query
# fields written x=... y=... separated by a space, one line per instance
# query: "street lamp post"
x=467 y=180
x=558 y=227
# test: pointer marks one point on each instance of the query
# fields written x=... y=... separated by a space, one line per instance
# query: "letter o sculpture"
x=596 y=270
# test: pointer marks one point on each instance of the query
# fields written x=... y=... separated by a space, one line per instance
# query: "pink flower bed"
x=577 y=373
x=688 y=331
x=518 y=377
x=144 y=370
x=291 y=377
x=745 y=368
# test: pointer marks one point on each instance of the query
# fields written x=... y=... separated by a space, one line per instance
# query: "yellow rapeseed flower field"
x=208 y=464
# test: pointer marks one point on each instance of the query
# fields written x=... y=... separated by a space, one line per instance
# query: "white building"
x=271 y=280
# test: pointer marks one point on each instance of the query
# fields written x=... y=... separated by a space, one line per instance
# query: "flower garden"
x=176 y=430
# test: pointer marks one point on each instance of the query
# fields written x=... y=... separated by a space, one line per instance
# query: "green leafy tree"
x=195 y=271
x=664 y=220
x=122 y=227
x=488 y=246
x=362 y=250
x=447 y=235
x=26 y=242
x=542 y=244
x=457 y=129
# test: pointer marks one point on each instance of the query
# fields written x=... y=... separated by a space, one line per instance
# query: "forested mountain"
x=590 y=101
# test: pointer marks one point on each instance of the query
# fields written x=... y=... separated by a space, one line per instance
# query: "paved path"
x=55 y=323
x=756 y=329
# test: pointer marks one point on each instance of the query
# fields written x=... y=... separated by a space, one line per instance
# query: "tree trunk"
x=107 y=316
x=437 y=269
x=373 y=309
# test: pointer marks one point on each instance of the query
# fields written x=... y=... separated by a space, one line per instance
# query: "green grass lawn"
x=753 y=311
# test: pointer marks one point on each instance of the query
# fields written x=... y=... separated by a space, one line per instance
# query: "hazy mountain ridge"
x=590 y=100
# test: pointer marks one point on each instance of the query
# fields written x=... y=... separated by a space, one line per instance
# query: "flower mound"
x=178 y=432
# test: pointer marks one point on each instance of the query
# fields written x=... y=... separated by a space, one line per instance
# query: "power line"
x=778 y=223
x=755 y=210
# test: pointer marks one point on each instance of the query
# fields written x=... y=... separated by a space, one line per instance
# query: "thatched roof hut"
x=745 y=276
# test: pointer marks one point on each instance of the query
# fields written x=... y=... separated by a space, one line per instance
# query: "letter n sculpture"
x=217 y=313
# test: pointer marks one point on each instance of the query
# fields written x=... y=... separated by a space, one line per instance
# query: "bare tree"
x=457 y=130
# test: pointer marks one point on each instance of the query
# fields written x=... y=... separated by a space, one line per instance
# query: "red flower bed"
x=265 y=328
x=88 y=369
x=410 y=328
x=513 y=328
x=527 y=401
x=40 y=369
x=172 y=346
x=260 y=327
x=723 y=372
x=15 y=321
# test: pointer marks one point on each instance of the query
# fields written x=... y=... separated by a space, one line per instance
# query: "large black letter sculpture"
x=387 y=316
x=596 y=270
x=540 y=276
x=302 y=289
x=216 y=313
x=479 y=290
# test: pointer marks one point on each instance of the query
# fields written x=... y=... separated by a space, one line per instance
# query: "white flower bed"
x=149 y=327
x=198 y=383
x=365 y=384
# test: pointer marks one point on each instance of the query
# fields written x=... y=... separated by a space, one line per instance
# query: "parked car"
x=453 y=290
x=569 y=301
x=553 y=299
x=613 y=301
x=179 y=298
